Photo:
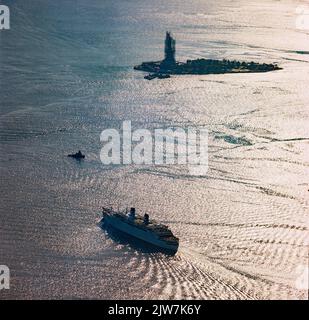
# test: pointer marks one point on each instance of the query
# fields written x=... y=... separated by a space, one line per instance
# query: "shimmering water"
x=66 y=74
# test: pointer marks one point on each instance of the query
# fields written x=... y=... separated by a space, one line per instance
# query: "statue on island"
x=163 y=69
x=169 y=50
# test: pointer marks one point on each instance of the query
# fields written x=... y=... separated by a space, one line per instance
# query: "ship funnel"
x=132 y=213
x=146 y=218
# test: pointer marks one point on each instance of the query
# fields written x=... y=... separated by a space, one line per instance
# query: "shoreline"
x=203 y=67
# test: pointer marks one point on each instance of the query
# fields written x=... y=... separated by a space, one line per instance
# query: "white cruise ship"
x=141 y=228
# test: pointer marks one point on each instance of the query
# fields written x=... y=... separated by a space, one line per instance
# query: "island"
x=163 y=69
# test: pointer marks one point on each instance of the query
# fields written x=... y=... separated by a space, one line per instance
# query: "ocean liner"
x=141 y=228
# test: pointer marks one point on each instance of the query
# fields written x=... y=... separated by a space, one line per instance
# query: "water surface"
x=67 y=74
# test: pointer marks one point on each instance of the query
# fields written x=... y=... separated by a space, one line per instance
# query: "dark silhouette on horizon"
x=170 y=49
x=169 y=65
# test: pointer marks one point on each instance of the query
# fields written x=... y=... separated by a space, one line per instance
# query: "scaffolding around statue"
x=170 y=49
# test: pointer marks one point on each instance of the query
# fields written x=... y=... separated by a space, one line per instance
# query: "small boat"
x=141 y=228
x=163 y=76
x=150 y=76
x=77 y=155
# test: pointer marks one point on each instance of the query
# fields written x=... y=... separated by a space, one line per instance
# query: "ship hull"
x=146 y=237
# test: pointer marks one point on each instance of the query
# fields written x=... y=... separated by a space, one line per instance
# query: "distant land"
x=169 y=65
